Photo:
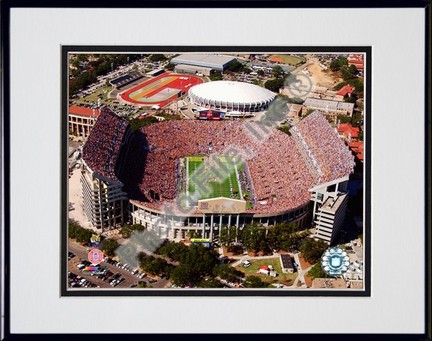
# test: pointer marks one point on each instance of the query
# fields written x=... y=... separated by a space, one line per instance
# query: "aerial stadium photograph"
x=218 y=173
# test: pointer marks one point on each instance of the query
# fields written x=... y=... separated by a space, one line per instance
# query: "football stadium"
x=231 y=96
x=200 y=175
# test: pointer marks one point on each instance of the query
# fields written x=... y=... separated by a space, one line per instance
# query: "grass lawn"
x=206 y=176
x=283 y=278
x=289 y=59
x=94 y=96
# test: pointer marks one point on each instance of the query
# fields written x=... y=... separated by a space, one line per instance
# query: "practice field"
x=218 y=174
x=160 y=90
x=286 y=59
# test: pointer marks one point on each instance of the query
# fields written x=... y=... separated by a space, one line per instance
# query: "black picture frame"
x=5 y=165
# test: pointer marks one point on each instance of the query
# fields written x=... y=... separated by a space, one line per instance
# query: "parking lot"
x=110 y=273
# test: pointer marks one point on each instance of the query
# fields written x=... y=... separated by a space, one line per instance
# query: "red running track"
x=180 y=84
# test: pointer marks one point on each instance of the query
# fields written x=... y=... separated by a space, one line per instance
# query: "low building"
x=357 y=148
x=345 y=90
x=193 y=69
x=295 y=110
x=287 y=263
x=213 y=62
x=267 y=270
x=357 y=60
x=81 y=120
x=348 y=132
x=329 y=107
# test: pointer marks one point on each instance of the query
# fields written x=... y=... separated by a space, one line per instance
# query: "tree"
x=252 y=236
x=357 y=83
x=317 y=271
x=210 y=283
x=247 y=70
x=73 y=228
x=182 y=276
x=234 y=66
x=83 y=235
x=274 y=84
x=346 y=74
x=283 y=236
x=312 y=249
x=109 y=246
x=260 y=73
x=173 y=250
x=356 y=119
x=156 y=266
x=137 y=227
x=236 y=249
x=170 y=67
x=339 y=86
x=216 y=76
x=224 y=239
x=198 y=262
x=78 y=232
x=278 y=72
x=343 y=118
x=157 y=58
x=227 y=235
x=353 y=69
x=191 y=234
x=254 y=282
x=227 y=272
x=350 y=98
x=125 y=232
x=337 y=63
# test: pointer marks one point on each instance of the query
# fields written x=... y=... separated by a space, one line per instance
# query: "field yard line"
x=238 y=181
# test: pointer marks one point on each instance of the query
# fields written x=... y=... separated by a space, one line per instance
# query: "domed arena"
x=231 y=96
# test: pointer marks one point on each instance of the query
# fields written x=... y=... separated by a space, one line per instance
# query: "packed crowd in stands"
x=278 y=180
x=103 y=145
x=277 y=170
x=324 y=147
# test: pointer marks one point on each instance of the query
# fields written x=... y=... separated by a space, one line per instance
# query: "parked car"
x=246 y=263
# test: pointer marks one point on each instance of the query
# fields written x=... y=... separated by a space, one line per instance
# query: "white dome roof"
x=231 y=92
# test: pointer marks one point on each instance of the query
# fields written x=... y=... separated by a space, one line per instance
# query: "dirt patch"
x=322 y=77
x=308 y=281
x=303 y=263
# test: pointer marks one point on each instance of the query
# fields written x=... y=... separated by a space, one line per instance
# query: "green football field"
x=214 y=179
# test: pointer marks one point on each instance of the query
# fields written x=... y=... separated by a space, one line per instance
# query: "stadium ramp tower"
x=105 y=201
